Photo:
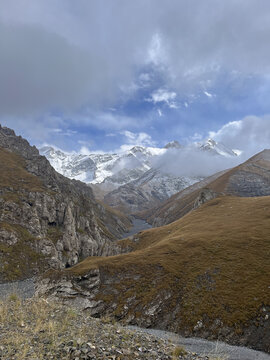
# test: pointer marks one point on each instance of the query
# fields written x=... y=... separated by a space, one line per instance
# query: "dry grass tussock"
x=33 y=328
x=37 y=329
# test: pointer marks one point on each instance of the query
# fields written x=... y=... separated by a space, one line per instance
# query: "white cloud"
x=208 y=94
x=56 y=130
x=250 y=135
x=49 y=64
x=144 y=80
x=196 y=137
x=84 y=150
x=105 y=120
x=64 y=132
x=164 y=96
x=190 y=161
x=141 y=139
x=173 y=105
x=246 y=137
x=156 y=52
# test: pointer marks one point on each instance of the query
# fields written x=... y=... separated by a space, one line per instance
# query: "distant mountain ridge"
x=215 y=148
x=98 y=168
x=147 y=191
x=130 y=181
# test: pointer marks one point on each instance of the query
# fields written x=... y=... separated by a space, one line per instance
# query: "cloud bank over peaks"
x=199 y=157
x=250 y=135
x=191 y=161
x=245 y=137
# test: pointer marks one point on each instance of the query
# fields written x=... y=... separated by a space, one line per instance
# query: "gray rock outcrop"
x=205 y=195
x=56 y=219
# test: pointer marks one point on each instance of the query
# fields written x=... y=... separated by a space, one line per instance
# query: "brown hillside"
x=249 y=179
x=13 y=174
x=205 y=274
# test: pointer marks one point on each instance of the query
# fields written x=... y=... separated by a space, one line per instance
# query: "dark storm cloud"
x=41 y=70
x=82 y=51
x=61 y=55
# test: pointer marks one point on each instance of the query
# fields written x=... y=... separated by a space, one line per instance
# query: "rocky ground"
x=38 y=329
x=214 y=349
x=24 y=289
x=31 y=327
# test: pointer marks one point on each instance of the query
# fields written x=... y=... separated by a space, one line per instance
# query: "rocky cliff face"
x=204 y=196
x=47 y=220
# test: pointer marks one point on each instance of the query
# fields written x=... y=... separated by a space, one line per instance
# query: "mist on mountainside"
x=191 y=161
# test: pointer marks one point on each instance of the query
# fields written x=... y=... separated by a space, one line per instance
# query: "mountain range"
x=252 y=178
x=203 y=271
x=133 y=180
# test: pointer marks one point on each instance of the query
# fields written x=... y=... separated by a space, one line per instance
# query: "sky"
x=102 y=75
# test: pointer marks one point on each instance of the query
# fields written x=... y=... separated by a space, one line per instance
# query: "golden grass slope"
x=13 y=174
x=215 y=262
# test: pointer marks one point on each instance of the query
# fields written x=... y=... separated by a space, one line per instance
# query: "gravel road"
x=205 y=347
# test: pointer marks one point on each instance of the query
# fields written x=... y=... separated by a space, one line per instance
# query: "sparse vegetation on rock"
x=47 y=220
x=38 y=329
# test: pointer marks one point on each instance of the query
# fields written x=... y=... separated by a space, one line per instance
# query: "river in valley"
x=138 y=225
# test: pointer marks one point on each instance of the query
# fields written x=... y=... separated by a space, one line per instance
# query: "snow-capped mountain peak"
x=96 y=168
x=113 y=170
x=216 y=148
x=173 y=145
